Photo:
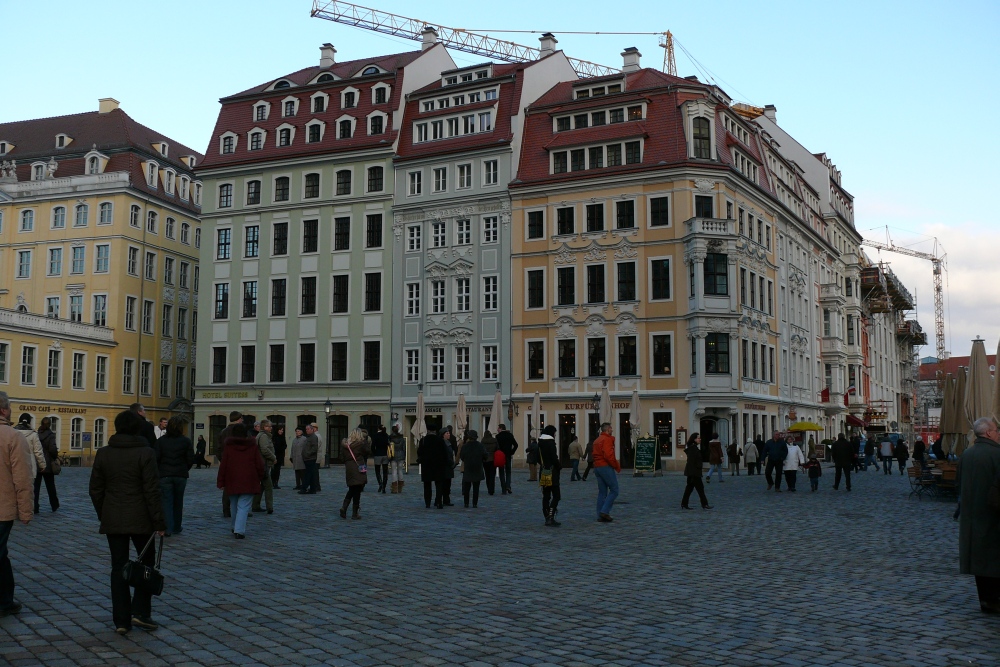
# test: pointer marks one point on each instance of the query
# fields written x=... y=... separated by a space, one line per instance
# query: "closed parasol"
x=605 y=405
x=419 y=429
x=635 y=417
x=536 y=414
x=960 y=424
x=496 y=417
x=996 y=391
x=461 y=419
x=979 y=387
x=947 y=412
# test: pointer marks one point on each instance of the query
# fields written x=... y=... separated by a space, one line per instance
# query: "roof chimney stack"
x=107 y=104
x=631 y=57
x=430 y=36
x=771 y=113
x=547 y=44
x=327 y=55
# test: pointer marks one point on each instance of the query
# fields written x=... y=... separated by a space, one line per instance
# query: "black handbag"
x=144 y=577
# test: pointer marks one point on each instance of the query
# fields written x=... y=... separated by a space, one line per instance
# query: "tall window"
x=372 y=362
x=55 y=261
x=341 y=233
x=168 y=270
x=659 y=211
x=4 y=351
x=218 y=365
x=250 y=298
x=717 y=353
x=463 y=295
x=413 y=238
x=716 y=274
x=595 y=284
x=440 y=179
x=661 y=355
x=27 y=221
x=310 y=235
x=308 y=296
x=536 y=224
x=280 y=244
x=147 y=316
x=463 y=232
x=566 y=285
x=702 y=139
x=276 y=369
x=437 y=364
x=279 y=287
x=225 y=195
x=59 y=217
x=536 y=360
x=76 y=433
x=595 y=217
x=416 y=178
x=377 y=125
x=150 y=266
x=596 y=357
x=490 y=174
x=490 y=293
x=439 y=235
x=437 y=296
x=281 y=188
x=82 y=212
x=165 y=379
x=185 y=233
x=222 y=301
x=100 y=310
x=462 y=364
x=256 y=141
x=373 y=292
x=128 y=375
x=251 y=244
x=490 y=229
x=130 y=303
x=412 y=299
x=134 y=216
x=567 y=358
x=284 y=139
x=312 y=186
x=166 y=327
x=626 y=281
x=536 y=289
x=340 y=294
x=703 y=207
x=28 y=365
x=223 y=245
x=182 y=323
x=660 y=278
x=315 y=132
x=55 y=357
x=491 y=363
x=23 y=263
x=100 y=433
x=627 y=356
x=77 y=263
x=345 y=129
x=307 y=362
x=564 y=221
x=146 y=378
x=413 y=366
x=375 y=179
x=338 y=362
x=625 y=214
x=464 y=176
x=248 y=362
x=253 y=193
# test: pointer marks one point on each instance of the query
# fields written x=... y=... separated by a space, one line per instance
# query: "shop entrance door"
x=336 y=431
x=626 y=452
x=567 y=430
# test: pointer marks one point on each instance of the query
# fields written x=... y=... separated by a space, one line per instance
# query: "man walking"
x=775 y=451
x=309 y=455
x=234 y=419
x=508 y=445
x=606 y=468
x=870 y=454
x=978 y=529
x=885 y=451
x=16 y=495
x=266 y=446
x=146 y=429
x=843 y=459
x=320 y=454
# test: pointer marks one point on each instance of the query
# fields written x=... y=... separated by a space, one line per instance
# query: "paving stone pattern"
x=827 y=578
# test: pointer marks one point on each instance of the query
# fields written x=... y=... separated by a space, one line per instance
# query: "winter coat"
x=918 y=450
x=242 y=467
x=298 y=446
x=473 y=455
x=938 y=450
x=361 y=450
x=548 y=455
x=814 y=468
x=507 y=444
x=979 y=526
x=49 y=446
x=490 y=444
x=380 y=444
x=432 y=455
x=776 y=451
x=220 y=442
x=734 y=453
x=714 y=453
x=200 y=447
x=125 y=487
x=266 y=446
x=575 y=450
x=842 y=452
x=449 y=445
x=38 y=463
x=750 y=452
x=311 y=450
x=794 y=458
x=869 y=447
x=604 y=452
x=902 y=453
x=399 y=447
x=885 y=449
x=148 y=432
x=16 y=483
x=694 y=464
x=280 y=447
x=174 y=456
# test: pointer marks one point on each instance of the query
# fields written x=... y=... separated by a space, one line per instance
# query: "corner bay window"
x=716 y=274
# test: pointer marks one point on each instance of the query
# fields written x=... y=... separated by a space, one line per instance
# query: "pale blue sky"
x=901 y=95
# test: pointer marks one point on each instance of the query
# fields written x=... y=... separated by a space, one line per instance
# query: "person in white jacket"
x=793 y=460
x=750 y=455
x=37 y=455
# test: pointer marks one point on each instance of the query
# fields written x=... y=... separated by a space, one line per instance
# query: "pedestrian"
x=356 y=470
x=978 y=528
x=174 y=458
x=735 y=454
x=432 y=456
x=473 y=456
x=298 y=464
x=548 y=459
x=761 y=446
x=902 y=453
x=507 y=444
x=692 y=470
x=606 y=467
x=575 y=454
x=714 y=458
x=160 y=429
x=51 y=451
x=490 y=445
x=919 y=450
x=886 y=452
x=588 y=455
x=531 y=458
x=380 y=457
x=310 y=452
x=451 y=450
x=750 y=455
x=856 y=448
x=266 y=446
x=125 y=490
x=321 y=455
x=811 y=451
x=199 y=453
x=280 y=447
x=870 y=454
x=794 y=459
x=842 y=460
x=938 y=450
x=240 y=473
x=146 y=430
x=815 y=471
x=775 y=451
x=16 y=498
x=235 y=418
x=37 y=460
x=397 y=460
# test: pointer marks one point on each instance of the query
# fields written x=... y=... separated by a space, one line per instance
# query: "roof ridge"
x=30 y=120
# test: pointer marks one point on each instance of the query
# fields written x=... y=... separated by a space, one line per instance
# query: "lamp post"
x=327 y=407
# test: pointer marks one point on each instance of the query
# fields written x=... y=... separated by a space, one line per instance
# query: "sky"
x=893 y=92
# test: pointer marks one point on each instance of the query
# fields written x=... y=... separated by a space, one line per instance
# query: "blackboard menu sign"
x=645 y=455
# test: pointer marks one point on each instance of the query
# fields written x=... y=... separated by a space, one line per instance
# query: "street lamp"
x=327 y=406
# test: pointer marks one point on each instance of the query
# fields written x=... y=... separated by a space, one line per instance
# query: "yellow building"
x=99 y=236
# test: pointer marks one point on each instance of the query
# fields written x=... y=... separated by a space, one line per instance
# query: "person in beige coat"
x=16 y=498
x=356 y=470
x=38 y=454
x=575 y=454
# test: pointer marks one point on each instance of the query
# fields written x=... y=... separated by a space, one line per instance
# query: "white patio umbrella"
x=461 y=419
x=536 y=414
x=419 y=429
x=605 y=405
x=496 y=417
x=635 y=417
x=979 y=389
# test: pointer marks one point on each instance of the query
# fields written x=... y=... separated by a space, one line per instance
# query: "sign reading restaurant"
x=49 y=408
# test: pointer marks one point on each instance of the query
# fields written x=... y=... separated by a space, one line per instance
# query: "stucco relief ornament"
x=56 y=345
x=8 y=171
x=460 y=318
x=462 y=269
x=182 y=352
x=595 y=327
x=435 y=338
x=716 y=245
x=76 y=292
x=21 y=300
x=595 y=255
x=461 y=336
x=627 y=327
x=717 y=324
x=397 y=229
x=626 y=251
x=168 y=294
x=505 y=220
x=184 y=298
x=703 y=184
x=564 y=256
x=166 y=349
x=436 y=271
x=566 y=329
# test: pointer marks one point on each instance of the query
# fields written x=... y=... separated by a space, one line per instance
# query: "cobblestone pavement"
x=826 y=578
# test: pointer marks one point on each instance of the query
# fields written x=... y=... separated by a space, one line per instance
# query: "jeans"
x=551 y=496
x=266 y=491
x=846 y=470
x=396 y=471
x=239 y=507
x=504 y=478
x=172 y=495
x=814 y=483
x=870 y=461
x=491 y=477
x=773 y=467
x=123 y=608
x=790 y=476
x=310 y=477
x=694 y=484
x=716 y=468
x=6 y=571
x=886 y=466
x=607 y=489
x=474 y=488
x=50 y=488
x=575 y=475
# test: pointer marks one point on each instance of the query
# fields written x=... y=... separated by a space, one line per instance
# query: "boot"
x=355 y=514
x=394 y=486
x=399 y=489
x=343 y=510
x=551 y=519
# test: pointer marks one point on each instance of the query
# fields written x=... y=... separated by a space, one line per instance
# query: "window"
x=464 y=176
x=52 y=307
x=595 y=217
x=440 y=179
x=702 y=139
x=27 y=221
x=536 y=224
x=633 y=152
x=147 y=316
x=563 y=124
x=150 y=266
x=421 y=132
x=716 y=274
x=281 y=188
x=437 y=364
x=341 y=233
x=218 y=365
x=566 y=285
x=55 y=261
x=536 y=360
x=100 y=432
x=344 y=129
x=463 y=295
x=703 y=206
x=315 y=133
x=377 y=125
x=412 y=299
x=415 y=182
x=717 y=353
x=559 y=163
x=437 y=129
x=167 y=325
x=248 y=362
x=312 y=186
x=373 y=230
x=256 y=141
x=76 y=433
x=82 y=211
x=485 y=125
x=578 y=159
x=627 y=356
x=168 y=270
x=659 y=211
x=225 y=195
x=625 y=214
x=491 y=363
x=228 y=145
x=660 y=279
x=662 y=354
x=222 y=301
x=130 y=302
x=59 y=217
x=596 y=357
x=536 y=289
x=626 y=281
x=253 y=193
x=614 y=152
x=53 y=378
x=23 y=263
x=372 y=361
x=307 y=362
x=308 y=303
x=463 y=232
x=439 y=235
x=598 y=118
x=128 y=375
x=490 y=294
x=3 y=361
x=373 y=292
x=596 y=157
x=413 y=366
x=437 y=296
x=375 y=179
x=567 y=358
x=280 y=244
x=490 y=176
x=462 y=364
x=310 y=235
x=349 y=99
x=343 y=182
x=168 y=229
x=27 y=365
x=279 y=288
x=100 y=310
x=490 y=229
x=341 y=294
x=223 y=244
x=289 y=108
x=249 y=299
x=595 y=283
x=413 y=239
x=93 y=166
x=276 y=369
x=185 y=233
x=564 y=221
x=182 y=323
x=380 y=95
x=165 y=379
x=197 y=272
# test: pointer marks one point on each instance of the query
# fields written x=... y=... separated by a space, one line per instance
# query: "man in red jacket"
x=606 y=467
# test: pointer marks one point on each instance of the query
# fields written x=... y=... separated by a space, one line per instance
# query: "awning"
x=854 y=421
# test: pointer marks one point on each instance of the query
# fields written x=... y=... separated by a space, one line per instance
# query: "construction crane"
x=459 y=39
x=939 y=265
x=667 y=44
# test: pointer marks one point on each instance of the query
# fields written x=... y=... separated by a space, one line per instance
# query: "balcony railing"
x=831 y=292
x=831 y=345
x=39 y=324
x=711 y=226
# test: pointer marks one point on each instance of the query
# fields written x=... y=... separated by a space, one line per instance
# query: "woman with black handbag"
x=125 y=490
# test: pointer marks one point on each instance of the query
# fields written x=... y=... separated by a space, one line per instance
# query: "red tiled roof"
x=629 y=130
x=951 y=365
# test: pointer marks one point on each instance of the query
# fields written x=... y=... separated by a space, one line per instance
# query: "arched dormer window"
x=371 y=69
x=227 y=143
x=281 y=84
x=325 y=77
x=380 y=93
x=93 y=166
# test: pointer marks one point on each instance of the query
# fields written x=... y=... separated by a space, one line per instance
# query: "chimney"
x=327 y=55
x=430 y=36
x=107 y=104
x=547 y=45
x=631 y=57
x=771 y=113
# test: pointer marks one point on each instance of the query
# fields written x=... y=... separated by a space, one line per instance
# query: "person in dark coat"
x=280 y=447
x=358 y=451
x=51 y=451
x=174 y=457
x=490 y=445
x=548 y=459
x=125 y=490
x=775 y=451
x=588 y=456
x=937 y=449
x=432 y=456
x=146 y=430
x=978 y=528
x=380 y=456
x=714 y=458
x=199 y=453
x=473 y=456
x=842 y=452
x=902 y=453
x=240 y=473
x=235 y=418
x=856 y=448
x=692 y=470
x=919 y=449
x=508 y=445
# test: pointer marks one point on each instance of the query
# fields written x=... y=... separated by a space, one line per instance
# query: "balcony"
x=831 y=293
x=718 y=227
x=910 y=331
x=832 y=345
x=32 y=324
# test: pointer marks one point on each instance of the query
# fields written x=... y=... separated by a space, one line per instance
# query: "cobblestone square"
x=827 y=578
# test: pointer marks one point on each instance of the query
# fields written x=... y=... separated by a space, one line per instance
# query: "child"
x=815 y=471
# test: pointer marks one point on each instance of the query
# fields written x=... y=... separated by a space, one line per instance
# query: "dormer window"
x=482 y=74
x=368 y=71
x=314 y=131
x=289 y=108
x=702 y=138
x=319 y=102
x=451 y=81
x=381 y=94
x=185 y=185
x=164 y=149
x=256 y=140
x=281 y=84
x=490 y=94
x=4 y=147
x=38 y=171
x=466 y=77
x=284 y=136
x=62 y=141
x=197 y=194
x=349 y=99
x=94 y=165
x=323 y=78
x=189 y=160
x=261 y=111
x=168 y=181
x=151 y=171
x=227 y=143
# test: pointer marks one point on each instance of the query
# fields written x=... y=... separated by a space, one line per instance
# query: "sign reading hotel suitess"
x=225 y=394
